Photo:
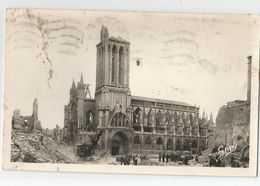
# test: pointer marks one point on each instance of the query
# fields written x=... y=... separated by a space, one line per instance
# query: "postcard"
x=131 y=92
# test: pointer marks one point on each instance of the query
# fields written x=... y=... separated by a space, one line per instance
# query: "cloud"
x=208 y=66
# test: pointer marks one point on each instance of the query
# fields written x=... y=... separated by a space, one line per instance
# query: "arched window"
x=137 y=140
x=168 y=117
x=159 y=141
x=90 y=121
x=121 y=65
x=159 y=118
x=183 y=119
x=102 y=65
x=119 y=120
x=113 y=74
x=150 y=117
x=176 y=117
x=169 y=144
x=137 y=116
x=191 y=119
x=148 y=140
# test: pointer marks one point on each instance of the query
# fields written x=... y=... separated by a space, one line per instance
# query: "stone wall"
x=232 y=123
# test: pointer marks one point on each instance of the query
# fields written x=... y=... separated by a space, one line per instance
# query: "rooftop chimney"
x=249 y=71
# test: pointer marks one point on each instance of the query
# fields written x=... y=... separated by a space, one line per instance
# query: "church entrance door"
x=120 y=144
x=115 y=148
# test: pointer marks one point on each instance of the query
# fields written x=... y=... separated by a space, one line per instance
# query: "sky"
x=199 y=59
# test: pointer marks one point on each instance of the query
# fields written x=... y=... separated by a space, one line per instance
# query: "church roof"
x=160 y=101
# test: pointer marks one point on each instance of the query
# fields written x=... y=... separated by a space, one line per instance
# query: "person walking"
x=163 y=157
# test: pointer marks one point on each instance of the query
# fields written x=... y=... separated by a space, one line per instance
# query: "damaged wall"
x=232 y=123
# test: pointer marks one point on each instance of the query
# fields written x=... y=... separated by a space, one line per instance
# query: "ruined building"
x=233 y=119
x=130 y=124
x=26 y=123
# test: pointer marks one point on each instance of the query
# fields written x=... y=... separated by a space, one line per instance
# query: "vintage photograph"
x=129 y=90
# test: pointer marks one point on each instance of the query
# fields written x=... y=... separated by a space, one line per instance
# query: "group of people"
x=174 y=158
x=168 y=157
x=128 y=158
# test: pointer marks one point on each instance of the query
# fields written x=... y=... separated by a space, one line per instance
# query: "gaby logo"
x=225 y=151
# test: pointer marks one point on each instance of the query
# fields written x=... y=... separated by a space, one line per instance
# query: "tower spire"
x=203 y=114
x=81 y=78
x=104 y=33
x=80 y=84
x=73 y=90
x=73 y=84
x=211 y=117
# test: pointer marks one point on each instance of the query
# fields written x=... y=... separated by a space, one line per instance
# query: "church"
x=130 y=124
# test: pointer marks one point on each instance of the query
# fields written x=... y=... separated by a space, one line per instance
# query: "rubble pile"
x=35 y=148
x=204 y=158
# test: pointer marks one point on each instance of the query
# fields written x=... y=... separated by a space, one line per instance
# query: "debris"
x=35 y=148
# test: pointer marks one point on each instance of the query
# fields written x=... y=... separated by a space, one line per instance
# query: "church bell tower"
x=112 y=95
x=112 y=72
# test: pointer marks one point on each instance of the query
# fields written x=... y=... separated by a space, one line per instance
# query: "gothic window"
x=73 y=113
x=119 y=120
x=99 y=64
x=169 y=144
x=148 y=140
x=121 y=65
x=137 y=140
x=159 y=118
x=123 y=121
x=137 y=116
x=113 y=121
x=191 y=119
x=159 y=141
x=175 y=116
x=167 y=117
x=102 y=64
x=183 y=118
x=89 y=121
x=150 y=117
x=114 y=64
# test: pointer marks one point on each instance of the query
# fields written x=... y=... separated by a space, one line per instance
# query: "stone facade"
x=79 y=114
x=130 y=124
x=26 y=123
x=233 y=119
